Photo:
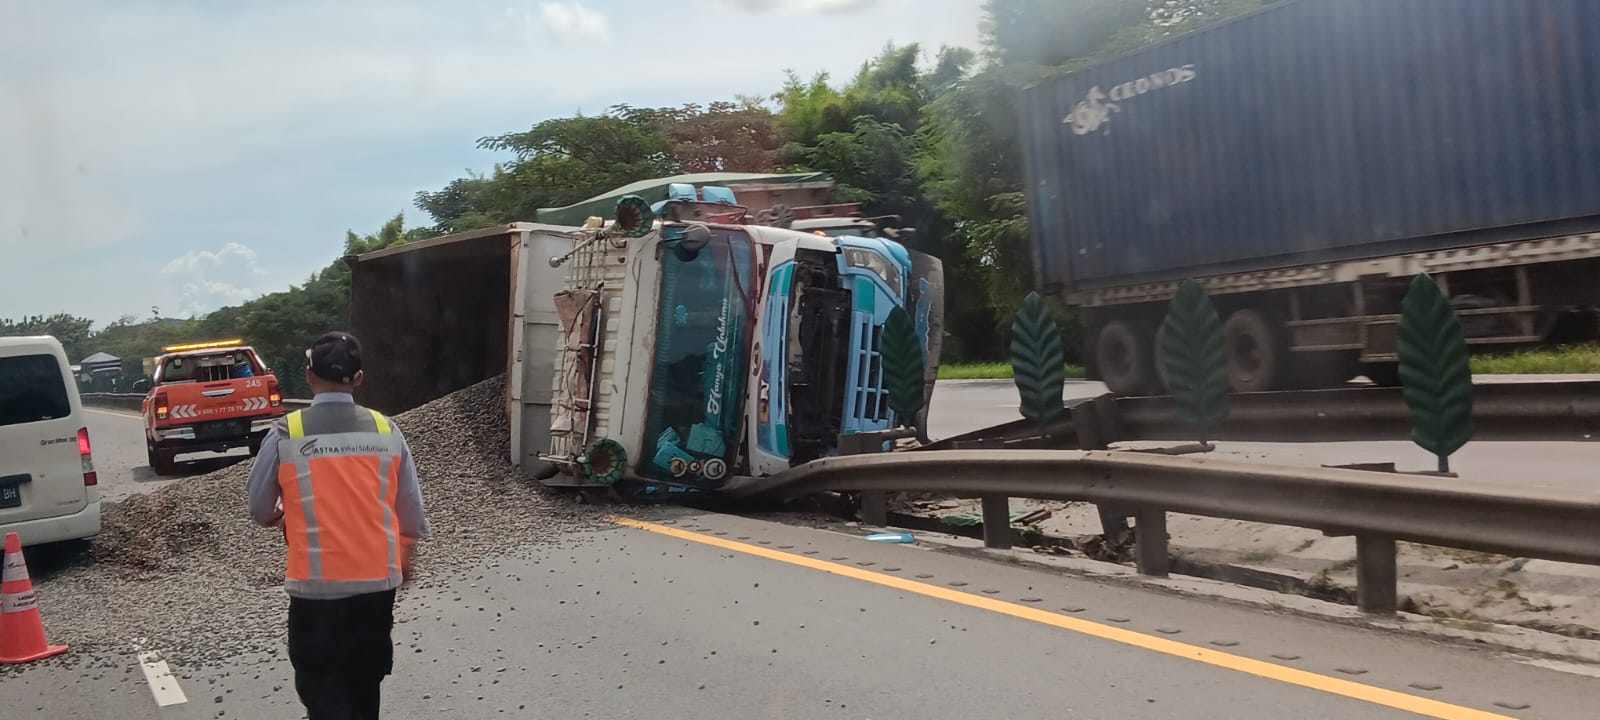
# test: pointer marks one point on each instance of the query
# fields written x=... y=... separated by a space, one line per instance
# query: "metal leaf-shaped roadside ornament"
x=903 y=367
x=1192 y=354
x=1038 y=364
x=1435 y=371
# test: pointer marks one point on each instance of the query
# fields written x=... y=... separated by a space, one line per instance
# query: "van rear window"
x=31 y=390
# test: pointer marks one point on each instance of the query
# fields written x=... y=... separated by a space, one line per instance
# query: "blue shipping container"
x=1318 y=130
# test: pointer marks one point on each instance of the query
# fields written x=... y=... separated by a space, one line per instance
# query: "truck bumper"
x=82 y=524
x=182 y=438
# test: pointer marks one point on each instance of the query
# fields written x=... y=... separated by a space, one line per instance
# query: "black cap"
x=335 y=357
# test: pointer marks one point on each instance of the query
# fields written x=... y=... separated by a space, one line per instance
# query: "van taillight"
x=273 y=395
x=161 y=406
x=87 y=456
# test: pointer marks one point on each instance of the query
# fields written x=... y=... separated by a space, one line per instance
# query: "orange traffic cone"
x=21 y=629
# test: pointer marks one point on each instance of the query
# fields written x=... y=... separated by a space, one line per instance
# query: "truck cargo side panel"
x=432 y=321
x=1319 y=130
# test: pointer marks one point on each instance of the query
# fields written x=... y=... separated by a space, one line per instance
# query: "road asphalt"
x=721 y=617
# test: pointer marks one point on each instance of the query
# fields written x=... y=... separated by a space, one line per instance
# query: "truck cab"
x=705 y=348
x=208 y=397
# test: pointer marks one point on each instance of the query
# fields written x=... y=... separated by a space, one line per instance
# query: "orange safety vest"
x=339 y=472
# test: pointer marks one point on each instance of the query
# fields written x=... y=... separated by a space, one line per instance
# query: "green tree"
x=71 y=330
x=565 y=160
x=722 y=136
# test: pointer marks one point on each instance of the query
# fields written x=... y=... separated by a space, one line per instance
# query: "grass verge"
x=1581 y=359
x=990 y=371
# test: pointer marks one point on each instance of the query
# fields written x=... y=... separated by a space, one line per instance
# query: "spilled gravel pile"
x=185 y=569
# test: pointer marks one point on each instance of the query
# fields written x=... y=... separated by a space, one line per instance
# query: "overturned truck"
x=672 y=348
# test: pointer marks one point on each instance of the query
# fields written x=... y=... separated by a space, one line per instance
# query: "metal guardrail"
x=119 y=401
x=1377 y=508
x=1556 y=411
x=135 y=401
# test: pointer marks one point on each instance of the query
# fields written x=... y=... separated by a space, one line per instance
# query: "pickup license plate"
x=222 y=429
x=11 y=495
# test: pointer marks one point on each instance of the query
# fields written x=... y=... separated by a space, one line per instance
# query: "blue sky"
x=189 y=154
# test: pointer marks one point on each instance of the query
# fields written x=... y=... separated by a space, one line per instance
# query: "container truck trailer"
x=1303 y=162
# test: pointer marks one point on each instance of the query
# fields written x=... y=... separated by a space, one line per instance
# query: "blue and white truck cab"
x=700 y=348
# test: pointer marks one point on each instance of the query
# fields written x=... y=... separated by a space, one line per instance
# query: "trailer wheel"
x=1157 y=361
x=1122 y=358
x=1256 y=353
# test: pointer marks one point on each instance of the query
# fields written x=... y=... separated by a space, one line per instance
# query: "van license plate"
x=10 y=496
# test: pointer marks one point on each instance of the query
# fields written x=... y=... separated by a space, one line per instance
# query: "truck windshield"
x=697 y=375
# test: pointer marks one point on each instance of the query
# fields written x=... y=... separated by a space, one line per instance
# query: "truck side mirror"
x=141 y=385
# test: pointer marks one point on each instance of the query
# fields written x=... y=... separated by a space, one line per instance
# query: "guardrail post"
x=997 y=522
x=1377 y=583
x=996 y=508
x=873 y=508
x=1150 y=542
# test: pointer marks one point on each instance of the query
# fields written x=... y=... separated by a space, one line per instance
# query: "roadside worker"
x=339 y=479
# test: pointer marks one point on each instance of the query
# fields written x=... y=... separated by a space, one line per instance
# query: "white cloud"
x=803 y=6
x=204 y=280
x=570 y=20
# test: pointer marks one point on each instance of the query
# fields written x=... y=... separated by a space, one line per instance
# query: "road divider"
x=1378 y=508
x=1501 y=412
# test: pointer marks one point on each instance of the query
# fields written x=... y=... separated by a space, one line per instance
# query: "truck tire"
x=163 y=462
x=1122 y=356
x=1256 y=351
x=1158 y=363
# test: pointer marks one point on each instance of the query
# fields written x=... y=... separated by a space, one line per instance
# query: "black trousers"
x=341 y=652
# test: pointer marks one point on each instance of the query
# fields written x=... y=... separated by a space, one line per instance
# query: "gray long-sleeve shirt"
x=266 y=497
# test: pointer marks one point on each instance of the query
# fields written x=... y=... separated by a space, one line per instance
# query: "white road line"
x=163 y=684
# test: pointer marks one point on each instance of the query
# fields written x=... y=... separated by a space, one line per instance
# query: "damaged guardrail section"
x=1377 y=508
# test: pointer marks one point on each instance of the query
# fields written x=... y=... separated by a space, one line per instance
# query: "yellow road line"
x=1259 y=668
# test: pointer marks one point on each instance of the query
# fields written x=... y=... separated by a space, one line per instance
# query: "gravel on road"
x=183 y=570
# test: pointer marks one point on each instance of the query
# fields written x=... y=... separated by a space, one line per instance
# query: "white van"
x=48 y=487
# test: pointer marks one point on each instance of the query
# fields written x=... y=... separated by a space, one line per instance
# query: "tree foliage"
x=72 y=331
x=562 y=161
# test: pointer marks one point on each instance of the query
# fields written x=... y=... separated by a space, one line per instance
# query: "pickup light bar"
x=203 y=345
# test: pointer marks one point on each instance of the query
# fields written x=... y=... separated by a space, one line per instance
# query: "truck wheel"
x=1158 y=363
x=1122 y=357
x=255 y=447
x=164 y=462
x=1255 y=351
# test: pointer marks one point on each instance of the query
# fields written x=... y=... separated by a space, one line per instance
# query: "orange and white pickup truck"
x=208 y=397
